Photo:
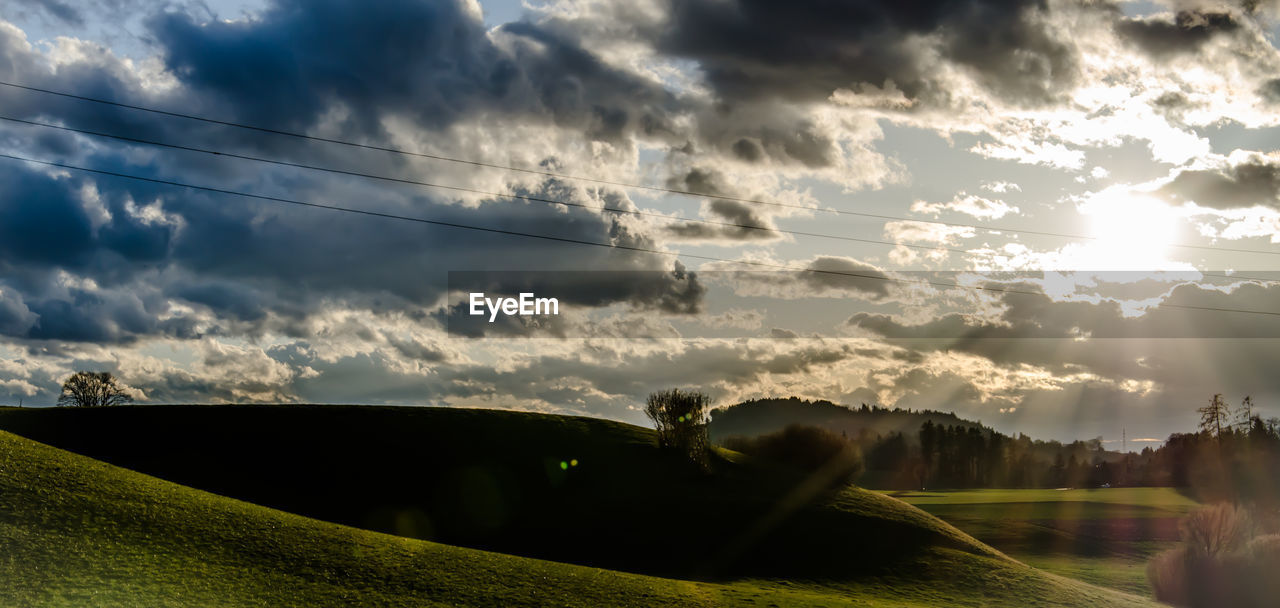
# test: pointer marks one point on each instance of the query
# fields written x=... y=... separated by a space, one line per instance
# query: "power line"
x=673 y=254
x=637 y=213
x=475 y=190
x=619 y=184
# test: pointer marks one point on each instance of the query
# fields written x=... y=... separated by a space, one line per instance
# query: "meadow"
x=1103 y=536
x=78 y=531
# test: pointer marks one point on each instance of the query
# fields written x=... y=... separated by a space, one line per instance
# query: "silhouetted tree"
x=680 y=418
x=93 y=389
x=1214 y=416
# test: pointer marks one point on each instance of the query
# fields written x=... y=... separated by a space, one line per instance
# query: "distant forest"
x=1235 y=454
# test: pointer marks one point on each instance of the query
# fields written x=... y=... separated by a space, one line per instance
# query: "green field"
x=1100 y=536
x=79 y=532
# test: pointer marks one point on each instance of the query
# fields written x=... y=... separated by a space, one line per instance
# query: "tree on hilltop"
x=681 y=421
x=93 y=389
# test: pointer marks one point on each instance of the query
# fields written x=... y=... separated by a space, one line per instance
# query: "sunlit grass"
x=1164 y=498
x=1099 y=536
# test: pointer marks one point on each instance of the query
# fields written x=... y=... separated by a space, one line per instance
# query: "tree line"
x=1234 y=454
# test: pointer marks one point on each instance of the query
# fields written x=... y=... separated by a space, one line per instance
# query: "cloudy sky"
x=1059 y=217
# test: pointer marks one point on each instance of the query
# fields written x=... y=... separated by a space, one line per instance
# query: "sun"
x=1130 y=231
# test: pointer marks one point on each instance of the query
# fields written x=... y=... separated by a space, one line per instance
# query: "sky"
x=1058 y=217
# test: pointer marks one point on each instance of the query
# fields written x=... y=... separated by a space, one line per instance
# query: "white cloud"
x=968 y=204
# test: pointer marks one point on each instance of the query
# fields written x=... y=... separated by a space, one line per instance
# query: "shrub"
x=1262 y=559
x=808 y=448
x=1265 y=552
x=1216 y=531
x=1167 y=572
x=680 y=419
x=1217 y=564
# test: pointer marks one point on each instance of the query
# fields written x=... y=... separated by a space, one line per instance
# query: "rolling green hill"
x=572 y=489
x=80 y=532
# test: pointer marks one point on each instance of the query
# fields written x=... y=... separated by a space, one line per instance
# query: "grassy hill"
x=581 y=490
x=80 y=532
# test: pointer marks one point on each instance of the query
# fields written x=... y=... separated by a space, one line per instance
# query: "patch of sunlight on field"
x=1123 y=574
x=1102 y=536
x=1168 y=498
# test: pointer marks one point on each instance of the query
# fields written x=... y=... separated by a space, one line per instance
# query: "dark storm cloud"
x=778 y=137
x=45 y=225
x=748 y=223
x=404 y=263
x=41 y=221
x=1253 y=182
x=461 y=323
x=75 y=314
x=15 y=317
x=354 y=64
x=833 y=272
x=823 y=276
x=415 y=350
x=252 y=264
x=428 y=60
x=752 y=49
x=100 y=75
x=229 y=299
x=1270 y=90
x=1185 y=34
x=674 y=292
x=581 y=91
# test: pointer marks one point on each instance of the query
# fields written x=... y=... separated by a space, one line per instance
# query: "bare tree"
x=1215 y=416
x=1244 y=415
x=680 y=418
x=93 y=389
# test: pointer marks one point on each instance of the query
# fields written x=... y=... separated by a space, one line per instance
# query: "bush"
x=1265 y=552
x=1216 y=531
x=1167 y=572
x=808 y=448
x=1219 y=562
x=680 y=419
x=1262 y=558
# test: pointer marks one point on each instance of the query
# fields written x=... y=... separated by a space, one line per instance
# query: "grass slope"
x=79 y=532
x=572 y=489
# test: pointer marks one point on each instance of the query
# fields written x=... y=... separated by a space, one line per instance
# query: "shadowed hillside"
x=572 y=489
x=78 y=532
